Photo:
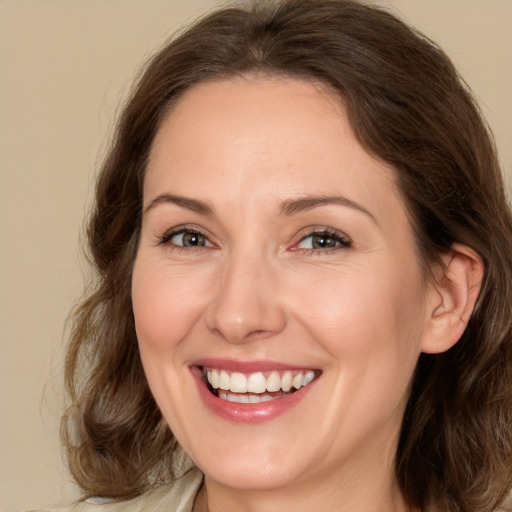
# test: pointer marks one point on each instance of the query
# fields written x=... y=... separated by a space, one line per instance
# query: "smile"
x=252 y=392
x=257 y=387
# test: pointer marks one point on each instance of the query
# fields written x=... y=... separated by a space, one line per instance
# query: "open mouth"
x=257 y=387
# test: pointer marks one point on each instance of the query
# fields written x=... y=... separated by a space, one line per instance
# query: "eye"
x=188 y=238
x=324 y=240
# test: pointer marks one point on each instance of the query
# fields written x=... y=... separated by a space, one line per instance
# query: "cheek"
x=365 y=314
x=165 y=306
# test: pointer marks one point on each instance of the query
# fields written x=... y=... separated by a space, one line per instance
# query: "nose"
x=246 y=304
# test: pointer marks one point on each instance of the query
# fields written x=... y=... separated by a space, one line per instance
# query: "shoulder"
x=178 y=496
x=507 y=504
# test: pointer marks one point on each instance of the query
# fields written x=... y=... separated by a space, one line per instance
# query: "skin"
x=361 y=313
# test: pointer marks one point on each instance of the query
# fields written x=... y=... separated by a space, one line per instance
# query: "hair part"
x=409 y=108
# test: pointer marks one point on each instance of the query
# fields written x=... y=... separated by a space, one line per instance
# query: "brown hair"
x=408 y=107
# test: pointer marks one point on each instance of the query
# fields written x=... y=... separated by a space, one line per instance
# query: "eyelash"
x=167 y=237
x=339 y=238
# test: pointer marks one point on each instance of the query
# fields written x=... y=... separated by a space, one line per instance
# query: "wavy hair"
x=409 y=108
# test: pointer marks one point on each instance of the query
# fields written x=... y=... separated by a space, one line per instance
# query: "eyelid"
x=344 y=240
x=172 y=232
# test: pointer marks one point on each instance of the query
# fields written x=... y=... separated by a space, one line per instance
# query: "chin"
x=251 y=476
x=263 y=464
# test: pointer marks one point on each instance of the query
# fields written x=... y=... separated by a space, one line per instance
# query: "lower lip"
x=247 y=413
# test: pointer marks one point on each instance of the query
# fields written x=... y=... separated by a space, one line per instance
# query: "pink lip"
x=247 y=366
x=246 y=413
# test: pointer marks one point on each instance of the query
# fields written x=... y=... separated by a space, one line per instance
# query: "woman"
x=303 y=251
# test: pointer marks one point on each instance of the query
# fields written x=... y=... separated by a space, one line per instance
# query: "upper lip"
x=235 y=365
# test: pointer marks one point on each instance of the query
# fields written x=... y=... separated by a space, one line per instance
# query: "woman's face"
x=276 y=254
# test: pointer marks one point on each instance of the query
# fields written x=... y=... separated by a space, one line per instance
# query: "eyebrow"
x=194 y=205
x=288 y=208
x=294 y=206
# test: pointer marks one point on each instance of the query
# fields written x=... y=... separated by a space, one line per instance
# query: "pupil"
x=323 y=241
x=193 y=239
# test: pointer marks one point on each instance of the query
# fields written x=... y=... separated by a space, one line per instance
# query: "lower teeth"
x=249 y=398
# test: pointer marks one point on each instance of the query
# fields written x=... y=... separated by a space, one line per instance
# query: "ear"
x=452 y=298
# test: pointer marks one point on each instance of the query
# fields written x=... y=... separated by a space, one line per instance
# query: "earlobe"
x=452 y=298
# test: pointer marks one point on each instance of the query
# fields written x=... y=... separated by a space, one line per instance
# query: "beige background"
x=64 y=65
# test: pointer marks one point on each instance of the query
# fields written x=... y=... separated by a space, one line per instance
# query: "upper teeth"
x=257 y=382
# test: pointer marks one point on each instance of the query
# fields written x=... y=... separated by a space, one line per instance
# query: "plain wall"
x=64 y=65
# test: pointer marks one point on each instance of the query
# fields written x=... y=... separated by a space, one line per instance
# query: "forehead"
x=249 y=109
x=254 y=138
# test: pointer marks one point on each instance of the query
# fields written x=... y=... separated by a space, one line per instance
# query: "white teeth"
x=308 y=378
x=254 y=399
x=273 y=382
x=244 y=398
x=224 y=380
x=286 y=381
x=297 y=381
x=238 y=383
x=240 y=398
x=213 y=378
x=257 y=383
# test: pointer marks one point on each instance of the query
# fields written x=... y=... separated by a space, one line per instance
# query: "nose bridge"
x=246 y=301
